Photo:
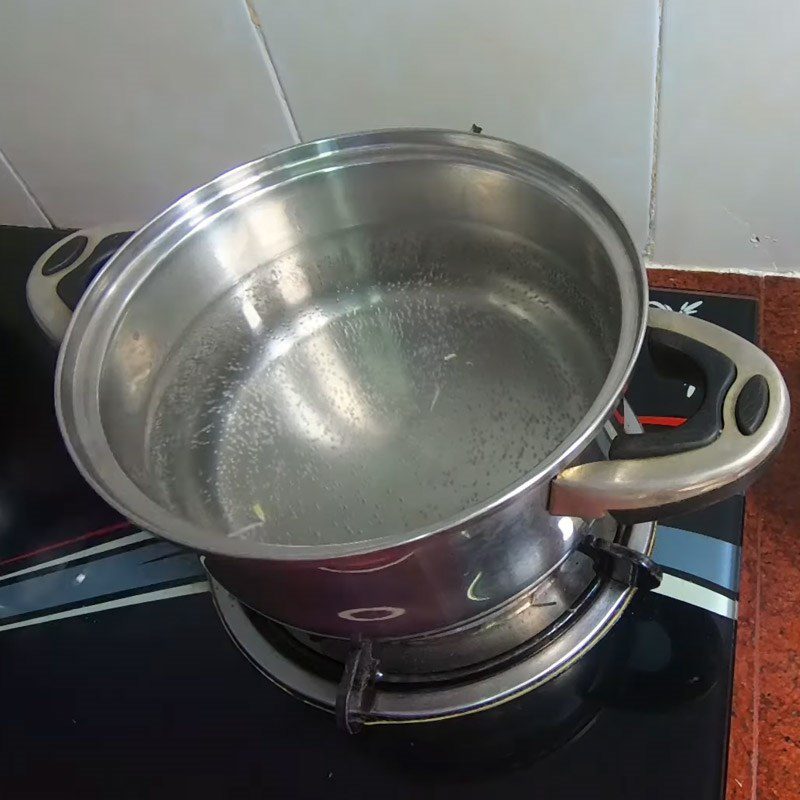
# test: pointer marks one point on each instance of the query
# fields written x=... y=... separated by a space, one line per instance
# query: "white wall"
x=728 y=185
x=110 y=109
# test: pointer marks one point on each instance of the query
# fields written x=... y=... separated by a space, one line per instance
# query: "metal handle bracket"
x=637 y=489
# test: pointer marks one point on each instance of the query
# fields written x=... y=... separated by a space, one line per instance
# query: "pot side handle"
x=720 y=451
x=64 y=271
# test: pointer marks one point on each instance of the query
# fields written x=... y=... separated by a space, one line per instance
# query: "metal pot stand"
x=363 y=690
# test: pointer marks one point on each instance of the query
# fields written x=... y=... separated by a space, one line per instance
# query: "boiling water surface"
x=295 y=412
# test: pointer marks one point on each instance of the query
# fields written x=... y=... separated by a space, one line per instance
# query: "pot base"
x=435 y=677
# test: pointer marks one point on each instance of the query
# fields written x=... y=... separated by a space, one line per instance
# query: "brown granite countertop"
x=764 y=754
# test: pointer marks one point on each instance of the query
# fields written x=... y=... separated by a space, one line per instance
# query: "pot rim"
x=91 y=328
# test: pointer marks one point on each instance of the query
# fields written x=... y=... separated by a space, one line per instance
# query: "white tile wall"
x=111 y=109
x=570 y=77
x=17 y=207
x=728 y=168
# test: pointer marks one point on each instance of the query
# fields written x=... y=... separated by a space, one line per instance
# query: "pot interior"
x=365 y=348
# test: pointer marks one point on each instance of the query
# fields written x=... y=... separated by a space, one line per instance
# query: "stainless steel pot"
x=370 y=378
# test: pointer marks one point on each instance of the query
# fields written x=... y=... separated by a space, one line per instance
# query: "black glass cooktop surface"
x=118 y=679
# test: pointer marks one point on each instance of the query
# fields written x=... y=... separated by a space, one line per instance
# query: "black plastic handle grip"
x=711 y=456
x=72 y=286
x=682 y=357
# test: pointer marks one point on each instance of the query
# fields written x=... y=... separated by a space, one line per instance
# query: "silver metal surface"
x=361 y=340
x=429 y=702
x=497 y=632
x=726 y=466
x=348 y=373
x=422 y=587
x=355 y=366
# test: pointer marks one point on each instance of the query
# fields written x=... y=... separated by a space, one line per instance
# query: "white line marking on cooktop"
x=146 y=597
x=141 y=536
x=700 y=596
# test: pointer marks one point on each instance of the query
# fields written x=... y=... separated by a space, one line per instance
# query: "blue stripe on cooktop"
x=695 y=554
x=153 y=564
x=705 y=557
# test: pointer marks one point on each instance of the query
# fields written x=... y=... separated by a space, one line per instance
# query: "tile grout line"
x=651 y=210
x=275 y=79
x=25 y=188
